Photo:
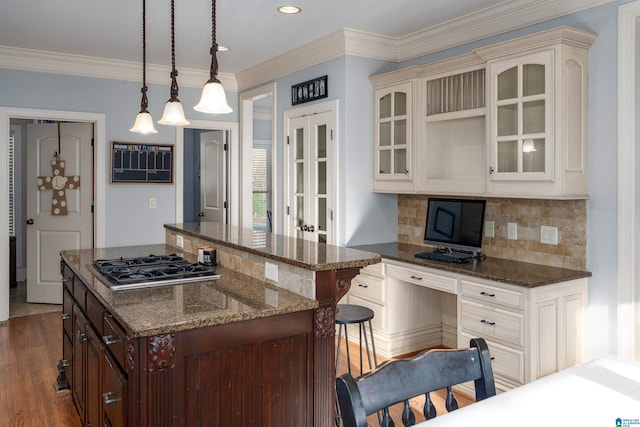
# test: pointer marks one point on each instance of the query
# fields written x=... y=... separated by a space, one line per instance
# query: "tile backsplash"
x=569 y=216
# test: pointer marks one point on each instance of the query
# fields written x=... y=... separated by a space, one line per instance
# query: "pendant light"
x=144 y=122
x=213 y=99
x=173 y=111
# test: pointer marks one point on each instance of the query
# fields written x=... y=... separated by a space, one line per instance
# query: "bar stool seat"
x=348 y=314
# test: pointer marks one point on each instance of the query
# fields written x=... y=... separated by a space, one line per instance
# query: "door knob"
x=30 y=221
x=201 y=214
x=311 y=228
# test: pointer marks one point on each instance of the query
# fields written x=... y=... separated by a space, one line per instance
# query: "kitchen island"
x=238 y=350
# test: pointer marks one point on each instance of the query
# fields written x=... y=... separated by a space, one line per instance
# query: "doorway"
x=99 y=178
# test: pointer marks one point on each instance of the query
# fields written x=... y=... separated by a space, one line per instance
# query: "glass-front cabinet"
x=521 y=145
x=537 y=114
x=393 y=138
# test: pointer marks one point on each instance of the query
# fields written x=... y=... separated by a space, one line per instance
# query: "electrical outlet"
x=152 y=203
x=180 y=241
x=271 y=271
x=512 y=231
x=489 y=229
x=548 y=235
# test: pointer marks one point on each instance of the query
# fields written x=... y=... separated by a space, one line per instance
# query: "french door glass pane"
x=508 y=119
x=299 y=177
x=533 y=155
x=322 y=213
x=508 y=84
x=299 y=144
x=507 y=156
x=322 y=141
x=385 y=134
x=400 y=161
x=385 y=106
x=400 y=104
x=532 y=79
x=322 y=177
x=533 y=117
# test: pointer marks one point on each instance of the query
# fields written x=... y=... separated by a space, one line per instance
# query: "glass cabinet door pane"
x=532 y=79
x=299 y=144
x=385 y=161
x=508 y=84
x=533 y=155
x=385 y=106
x=322 y=177
x=299 y=177
x=322 y=141
x=400 y=104
x=385 y=133
x=533 y=117
x=400 y=161
x=507 y=156
x=322 y=214
x=508 y=119
x=400 y=132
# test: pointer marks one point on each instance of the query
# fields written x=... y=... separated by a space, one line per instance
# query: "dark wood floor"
x=30 y=347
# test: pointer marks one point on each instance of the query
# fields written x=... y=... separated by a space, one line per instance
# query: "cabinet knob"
x=81 y=337
x=110 y=339
x=111 y=397
x=66 y=316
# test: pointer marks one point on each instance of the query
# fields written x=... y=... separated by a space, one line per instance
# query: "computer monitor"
x=455 y=224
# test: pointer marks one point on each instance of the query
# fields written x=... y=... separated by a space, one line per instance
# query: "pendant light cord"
x=144 y=104
x=174 y=72
x=213 y=72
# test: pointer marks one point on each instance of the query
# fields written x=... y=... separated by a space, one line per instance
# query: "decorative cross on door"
x=58 y=183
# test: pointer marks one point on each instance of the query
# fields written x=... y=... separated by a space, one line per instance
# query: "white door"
x=59 y=213
x=213 y=182
x=311 y=177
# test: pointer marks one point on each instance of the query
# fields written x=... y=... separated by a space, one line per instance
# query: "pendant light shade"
x=144 y=122
x=213 y=99
x=173 y=111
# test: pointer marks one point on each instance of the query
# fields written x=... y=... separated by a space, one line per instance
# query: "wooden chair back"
x=400 y=380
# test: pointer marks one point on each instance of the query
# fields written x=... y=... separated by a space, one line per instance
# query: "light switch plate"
x=271 y=271
x=512 y=231
x=152 y=203
x=548 y=235
x=489 y=229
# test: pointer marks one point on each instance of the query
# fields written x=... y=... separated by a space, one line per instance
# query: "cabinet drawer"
x=80 y=294
x=113 y=338
x=95 y=312
x=365 y=286
x=492 y=294
x=484 y=321
x=67 y=278
x=506 y=362
x=374 y=269
x=422 y=278
x=67 y=312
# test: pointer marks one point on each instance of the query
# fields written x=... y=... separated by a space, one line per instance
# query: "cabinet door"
x=521 y=118
x=114 y=393
x=393 y=132
x=79 y=360
x=93 y=379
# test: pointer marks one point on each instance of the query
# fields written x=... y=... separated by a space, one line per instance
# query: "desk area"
x=596 y=393
x=533 y=317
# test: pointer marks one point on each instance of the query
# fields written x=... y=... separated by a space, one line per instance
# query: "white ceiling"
x=253 y=29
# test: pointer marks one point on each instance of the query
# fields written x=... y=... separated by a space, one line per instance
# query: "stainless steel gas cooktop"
x=153 y=270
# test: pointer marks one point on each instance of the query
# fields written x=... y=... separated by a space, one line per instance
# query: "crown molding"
x=102 y=68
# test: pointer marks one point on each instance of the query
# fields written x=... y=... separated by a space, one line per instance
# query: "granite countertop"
x=171 y=308
x=289 y=250
x=501 y=270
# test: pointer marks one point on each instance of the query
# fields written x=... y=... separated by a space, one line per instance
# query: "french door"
x=311 y=177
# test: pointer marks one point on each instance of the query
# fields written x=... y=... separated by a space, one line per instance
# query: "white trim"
x=100 y=175
x=232 y=127
x=247 y=114
x=628 y=287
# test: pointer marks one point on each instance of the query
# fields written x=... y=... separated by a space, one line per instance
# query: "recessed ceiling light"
x=289 y=9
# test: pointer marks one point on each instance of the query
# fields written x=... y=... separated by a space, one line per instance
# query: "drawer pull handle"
x=66 y=316
x=107 y=397
x=416 y=277
x=487 y=294
x=66 y=279
x=487 y=322
x=362 y=285
x=81 y=337
x=65 y=363
x=110 y=339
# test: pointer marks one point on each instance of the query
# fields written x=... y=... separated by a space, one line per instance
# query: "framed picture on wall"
x=134 y=162
x=309 y=90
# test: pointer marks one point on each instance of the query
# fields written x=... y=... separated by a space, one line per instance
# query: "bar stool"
x=355 y=314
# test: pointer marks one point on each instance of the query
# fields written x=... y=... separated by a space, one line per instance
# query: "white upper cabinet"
x=507 y=120
x=537 y=115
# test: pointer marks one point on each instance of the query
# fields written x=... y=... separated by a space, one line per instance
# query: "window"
x=262 y=192
x=12 y=229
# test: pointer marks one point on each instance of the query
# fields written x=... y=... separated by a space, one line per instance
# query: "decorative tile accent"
x=570 y=216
